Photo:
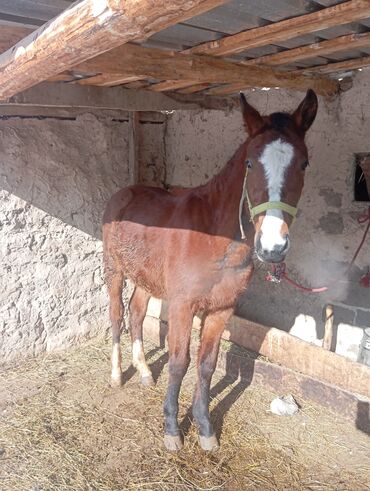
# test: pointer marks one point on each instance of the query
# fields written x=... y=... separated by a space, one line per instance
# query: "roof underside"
x=313 y=53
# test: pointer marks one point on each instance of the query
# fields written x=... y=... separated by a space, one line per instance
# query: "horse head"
x=276 y=161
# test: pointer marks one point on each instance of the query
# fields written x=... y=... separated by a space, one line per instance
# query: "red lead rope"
x=279 y=271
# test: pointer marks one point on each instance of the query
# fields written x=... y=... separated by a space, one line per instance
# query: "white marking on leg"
x=116 y=362
x=276 y=158
x=138 y=358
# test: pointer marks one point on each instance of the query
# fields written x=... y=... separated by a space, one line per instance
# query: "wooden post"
x=328 y=334
x=133 y=142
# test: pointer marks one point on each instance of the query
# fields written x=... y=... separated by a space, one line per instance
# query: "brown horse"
x=186 y=248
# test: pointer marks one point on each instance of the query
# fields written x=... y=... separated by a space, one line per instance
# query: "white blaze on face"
x=276 y=158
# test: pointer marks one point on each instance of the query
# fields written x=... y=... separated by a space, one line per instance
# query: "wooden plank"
x=287 y=29
x=140 y=84
x=291 y=352
x=341 y=66
x=279 y=379
x=59 y=95
x=165 y=65
x=171 y=85
x=40 y=112
x=323 y=48
x=194 y=88
x=88 y=28
x=228 y=89
x=283 y=31
x=109 y=80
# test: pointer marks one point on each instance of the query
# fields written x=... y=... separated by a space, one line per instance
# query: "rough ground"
x=63 y=428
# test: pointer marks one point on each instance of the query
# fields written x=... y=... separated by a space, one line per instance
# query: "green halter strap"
x=256 y=210
x=272 y=205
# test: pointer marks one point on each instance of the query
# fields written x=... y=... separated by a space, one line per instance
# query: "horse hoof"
x=173 y=443
x=209 y=444
x=117 y=381
x=147 y=381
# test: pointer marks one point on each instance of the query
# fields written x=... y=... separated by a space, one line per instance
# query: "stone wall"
x=55 y=177
x=326 y=234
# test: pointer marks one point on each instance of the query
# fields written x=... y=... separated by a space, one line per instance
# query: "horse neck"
x=224 y=193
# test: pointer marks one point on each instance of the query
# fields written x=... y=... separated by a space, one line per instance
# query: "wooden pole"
x=85 y=30
x=134 y=128
x=154 y=63
x=329 y=321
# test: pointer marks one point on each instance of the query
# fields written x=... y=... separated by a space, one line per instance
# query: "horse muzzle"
x=274 y=253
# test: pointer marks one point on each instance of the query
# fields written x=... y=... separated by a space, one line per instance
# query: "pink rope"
x=282 y=274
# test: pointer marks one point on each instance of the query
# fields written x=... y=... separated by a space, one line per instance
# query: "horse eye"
x=248 y=163
x=305 y=164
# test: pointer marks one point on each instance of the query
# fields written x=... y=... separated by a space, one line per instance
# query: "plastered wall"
x=326 y=234
x=55 y=177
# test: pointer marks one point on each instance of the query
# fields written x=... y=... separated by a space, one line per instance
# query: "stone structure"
x=56 y=175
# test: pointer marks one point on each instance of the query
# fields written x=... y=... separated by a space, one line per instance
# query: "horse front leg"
x=213 y=327
x=180 y=319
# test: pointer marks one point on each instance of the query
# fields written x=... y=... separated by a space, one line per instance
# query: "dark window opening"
x=362 y=177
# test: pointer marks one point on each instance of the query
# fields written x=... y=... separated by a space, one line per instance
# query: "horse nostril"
x=286 y=244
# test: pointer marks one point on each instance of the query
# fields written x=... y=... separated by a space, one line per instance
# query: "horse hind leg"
x=114 y=280
x=138 y=306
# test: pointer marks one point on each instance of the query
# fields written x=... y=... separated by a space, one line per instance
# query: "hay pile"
x=63 y=428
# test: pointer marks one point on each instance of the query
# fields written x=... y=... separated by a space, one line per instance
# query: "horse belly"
x=142 y=263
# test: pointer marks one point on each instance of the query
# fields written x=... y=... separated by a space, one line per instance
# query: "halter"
x=267 y=205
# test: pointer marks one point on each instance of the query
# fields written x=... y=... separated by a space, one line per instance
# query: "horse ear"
x=305 y=113
x=252 y=119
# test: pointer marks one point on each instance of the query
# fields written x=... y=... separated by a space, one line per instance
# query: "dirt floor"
x=63 y=428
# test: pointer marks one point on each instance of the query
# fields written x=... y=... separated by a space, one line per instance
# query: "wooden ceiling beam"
x=339 y=14
x=228 y=89
x=59 y=96
x=323 y=48
x=278 y=31
x=171 y=85
x=167 y=65
x=340 y=66
x=109 y=80
x=194 y=88
x=85 y=30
